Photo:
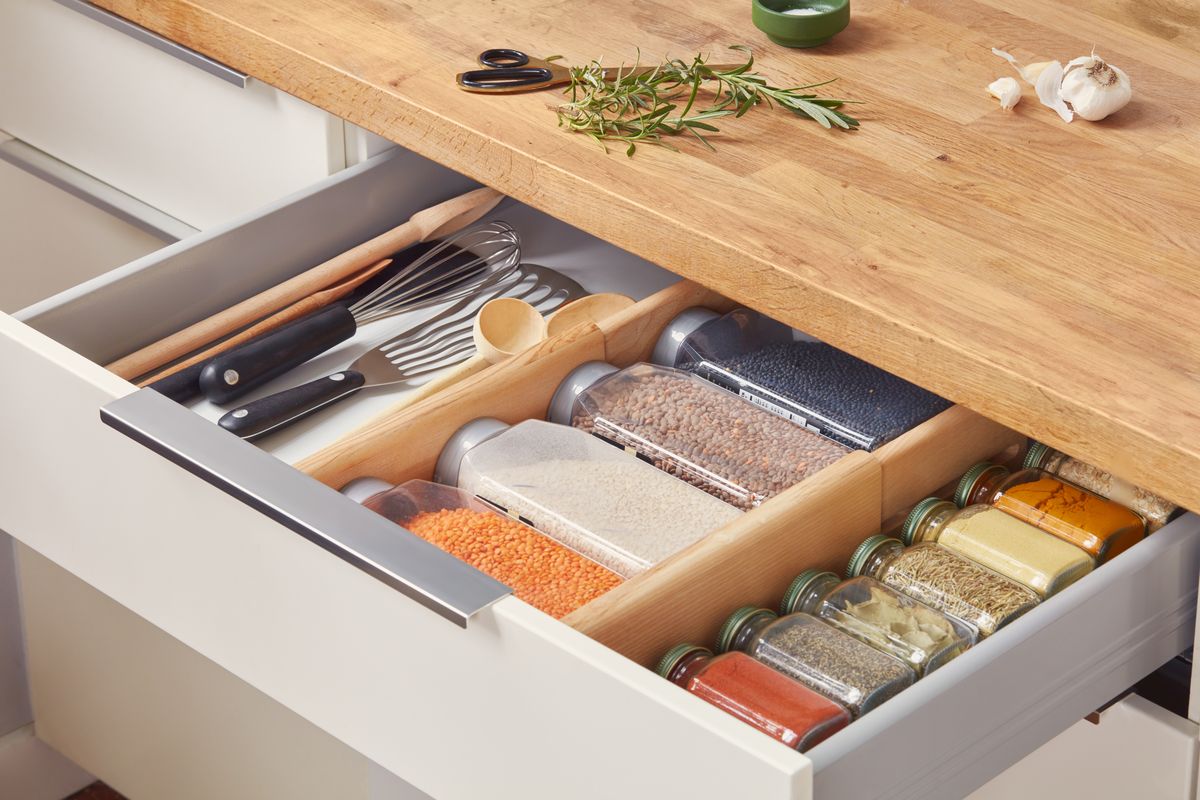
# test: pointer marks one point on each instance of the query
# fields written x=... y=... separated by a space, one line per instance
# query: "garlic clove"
x=1006 y=90
x=1028 y=73
x=1049 y=90
x=1031 y=72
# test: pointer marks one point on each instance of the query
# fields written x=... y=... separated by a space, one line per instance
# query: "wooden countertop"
x=1044 y=274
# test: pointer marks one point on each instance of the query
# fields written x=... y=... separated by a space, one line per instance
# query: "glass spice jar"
x=1099 y=527
x=756 y=694
x=591 y=497
x=693 y=430
x=899 y=625
x=818 y=655
x=544 y=573
x=1155 y=510
x=795 y=376
x=944 y=580
x=1000 y=542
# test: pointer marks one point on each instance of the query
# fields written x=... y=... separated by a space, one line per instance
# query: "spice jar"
x=544 y=573
x=693 y=430
x=790 y=374
x=944 y=580
x=1098 y=526
x=999 y=541
x=899 y=625
x=756 y=694
x=1155 y=510
x=818 y=655
x=591 y=497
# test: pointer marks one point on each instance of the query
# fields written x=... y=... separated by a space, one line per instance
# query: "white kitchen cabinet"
x=52 y=239
x=161 y=128
x=515 y=703
x=1137 y=749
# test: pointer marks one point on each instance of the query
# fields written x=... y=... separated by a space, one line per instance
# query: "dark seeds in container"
x=824 y=382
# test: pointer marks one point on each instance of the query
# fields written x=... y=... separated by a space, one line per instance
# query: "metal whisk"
x=451 y=269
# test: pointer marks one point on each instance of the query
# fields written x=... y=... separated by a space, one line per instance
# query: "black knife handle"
x=278 y=410
x=241 y=369
x=183 y=386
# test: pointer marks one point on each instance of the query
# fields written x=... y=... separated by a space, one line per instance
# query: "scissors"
x=507 y=71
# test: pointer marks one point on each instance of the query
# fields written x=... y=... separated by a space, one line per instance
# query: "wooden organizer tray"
x=816 y=523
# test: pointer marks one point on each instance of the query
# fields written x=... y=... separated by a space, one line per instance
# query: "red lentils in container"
x=547 y=575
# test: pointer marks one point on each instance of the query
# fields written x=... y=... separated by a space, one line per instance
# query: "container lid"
x=666 y=349
x=971 y=479
x=799 y=586
x=1033 y=457
x=733 y=625
x=864 y=551
x=360 y=489
x=676 y=654
x=577 y=381
x=916 y=517
x=474 y=433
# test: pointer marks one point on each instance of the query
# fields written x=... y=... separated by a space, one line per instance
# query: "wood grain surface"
x=1040 y=273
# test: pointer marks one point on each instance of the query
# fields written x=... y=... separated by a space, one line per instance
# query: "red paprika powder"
x=734 y=682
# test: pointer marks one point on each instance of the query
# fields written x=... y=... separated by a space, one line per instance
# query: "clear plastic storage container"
x=1000 y=542
x=818 y=655
x=1155 y=510
x=795 y=376
x=1096 y=525
x=899 y=625
x=698 y=432
x=588 y=495
x=944 y=580
x=542 y=572
x=756 y=694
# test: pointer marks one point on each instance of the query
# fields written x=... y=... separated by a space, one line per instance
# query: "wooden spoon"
x=592 y=308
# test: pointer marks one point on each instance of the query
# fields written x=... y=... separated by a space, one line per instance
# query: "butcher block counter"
x=1043 y=274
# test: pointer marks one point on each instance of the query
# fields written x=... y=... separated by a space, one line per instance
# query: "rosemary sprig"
x=636 y=108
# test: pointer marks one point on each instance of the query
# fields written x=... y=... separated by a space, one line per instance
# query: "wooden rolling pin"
x=440 y=220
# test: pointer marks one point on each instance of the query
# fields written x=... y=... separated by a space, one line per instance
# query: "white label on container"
x=778 y=410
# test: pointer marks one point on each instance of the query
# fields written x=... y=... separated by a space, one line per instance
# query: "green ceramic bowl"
x=800 y=23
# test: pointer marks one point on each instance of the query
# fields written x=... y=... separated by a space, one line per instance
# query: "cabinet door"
x=159 y=128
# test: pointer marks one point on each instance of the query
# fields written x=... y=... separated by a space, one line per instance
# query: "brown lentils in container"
x=707 y=436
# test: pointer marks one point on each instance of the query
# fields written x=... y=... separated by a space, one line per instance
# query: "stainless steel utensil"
x=400 y=357
x=455 y=268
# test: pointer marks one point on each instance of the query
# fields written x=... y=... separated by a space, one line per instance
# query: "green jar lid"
x=799 y=586
x=1033 y=457
x=737 y=619
x=917 y=516
x=676 y=654
x=863 y=553
x=971 y=479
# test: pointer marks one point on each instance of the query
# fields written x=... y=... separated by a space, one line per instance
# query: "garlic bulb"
x=1094 y=88
x=1007 y=91
x=1087 y=86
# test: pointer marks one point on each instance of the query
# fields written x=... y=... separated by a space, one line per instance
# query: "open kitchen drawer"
x=514 y=703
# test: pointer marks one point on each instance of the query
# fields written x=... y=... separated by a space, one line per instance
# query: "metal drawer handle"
x=162 y=43
x=404 y=561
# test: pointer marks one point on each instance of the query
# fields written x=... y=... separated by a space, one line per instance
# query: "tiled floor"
x=97 y=791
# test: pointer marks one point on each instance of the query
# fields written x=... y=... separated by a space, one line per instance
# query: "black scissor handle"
x=502 y=57
x=504 y=77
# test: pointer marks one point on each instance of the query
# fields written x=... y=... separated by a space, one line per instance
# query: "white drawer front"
x=516 y=705
x=161 y=130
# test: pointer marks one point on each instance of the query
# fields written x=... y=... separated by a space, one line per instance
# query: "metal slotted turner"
x=441 y=342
